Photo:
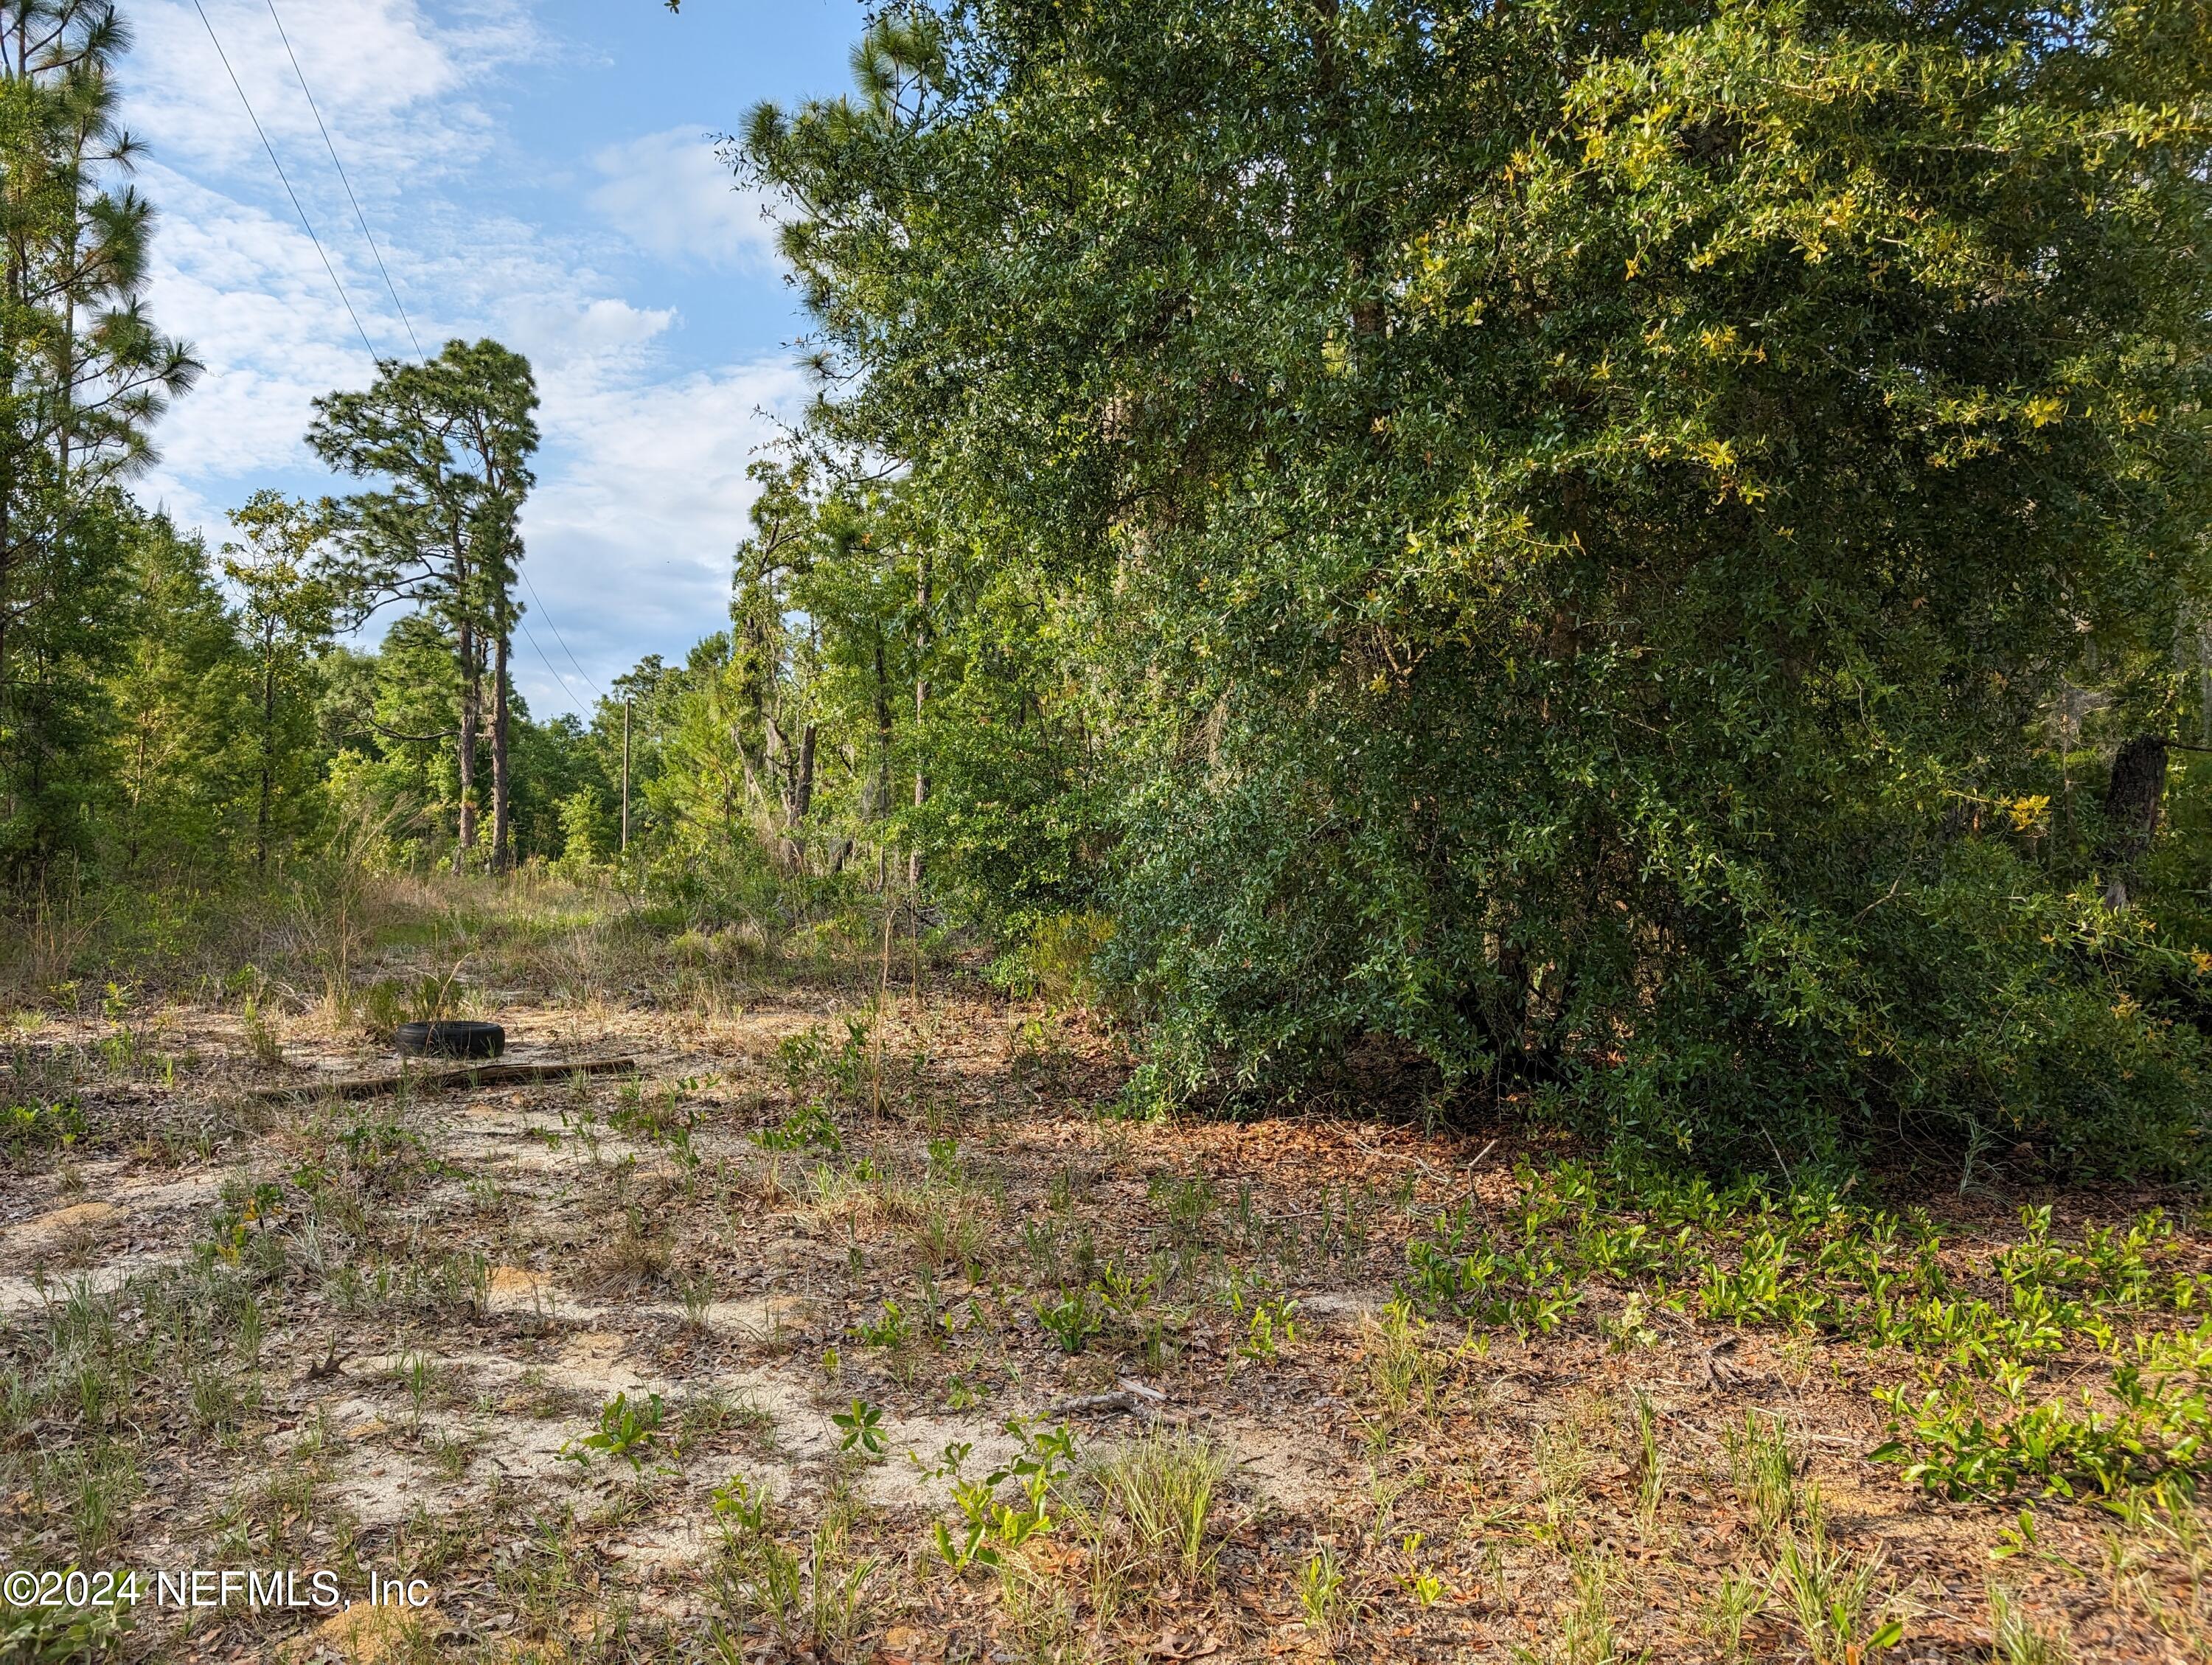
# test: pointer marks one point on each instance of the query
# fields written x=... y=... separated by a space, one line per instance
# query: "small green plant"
x=242 y=1218
x=1629 y=1332
x=1650 y=1459
x=1071 y=1320
x=1735 y=1601
x=1041 y=1248
x=429 y=998
x=758 y=1574
x=1162 y=1490
x=1830 y=1593
x=62 y=1635
x=2017 y=1639
x=261 y=1040
x=811 y=1060
x=1765 y=1471
x=1586 y=1629
x=26 y=1129
x=1563 y=1463
x=1271 y=1326
x=1322 y=1595
x=697 y=1294
x=989 y=1525
x=1527 y=1285
x=809 y=1126
x=889 y=1329
x=626 y=1429
x=1403 y=1370
x=862 y=1427
x=945 y=1165
x=1190 y=1203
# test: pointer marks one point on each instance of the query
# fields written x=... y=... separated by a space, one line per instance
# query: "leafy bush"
x=1599 y=600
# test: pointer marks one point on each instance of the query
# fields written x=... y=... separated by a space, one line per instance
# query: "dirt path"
x=520 y=1342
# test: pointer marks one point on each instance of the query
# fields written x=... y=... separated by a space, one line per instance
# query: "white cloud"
x=668 y=193
x=641 y=492
x=641 y=498
x=555 y=331
x=386 y=77
x=250 y=295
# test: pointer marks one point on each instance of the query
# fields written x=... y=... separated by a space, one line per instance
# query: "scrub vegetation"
x=859 y=1321
x=1441 y=892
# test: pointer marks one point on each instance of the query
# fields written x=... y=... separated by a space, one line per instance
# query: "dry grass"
x=683 y=1367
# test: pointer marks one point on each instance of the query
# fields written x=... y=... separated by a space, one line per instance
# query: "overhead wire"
x=544 y=660
x=305 y=224
x=391 y=288
x=556 y=630
x=328 y=144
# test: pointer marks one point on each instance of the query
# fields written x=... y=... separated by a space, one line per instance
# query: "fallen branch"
x=476 y=1075
x=1133 y=1400
x=1720 y=1374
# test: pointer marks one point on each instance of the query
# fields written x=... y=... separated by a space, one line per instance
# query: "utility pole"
x=625 y=844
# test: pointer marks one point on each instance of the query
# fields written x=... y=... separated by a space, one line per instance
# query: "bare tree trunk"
x=802 y=789
x=2133 y=799
x=920 y=701
x=502 y=827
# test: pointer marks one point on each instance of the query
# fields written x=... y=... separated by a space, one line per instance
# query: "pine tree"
x=84 y=374
x=452 y=438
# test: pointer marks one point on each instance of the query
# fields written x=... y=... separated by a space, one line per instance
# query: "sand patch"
x=79 y=1217
x=366 y=1635
x=25 y=1294
x=762 y=1318
x=518 y=1289
x=593 y=1362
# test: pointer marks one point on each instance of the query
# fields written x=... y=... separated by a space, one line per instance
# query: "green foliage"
x=28 y=1129
x=1830 y=1594
x=1072 y=1320
x=1597 y=591
x=84 y=375
x=1272 y=1325
x=627 y=1430
x=862 y=1429
x=62 y=1635
x=243 y=1221
x=285 y=617
x=447 y=444
x=990 y=1524
x=1978 y=1325
x=809 y=1126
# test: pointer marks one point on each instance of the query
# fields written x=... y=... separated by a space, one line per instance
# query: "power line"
x=523 y=573
x=362 y=219
x=305 y=224
x=544 y=660
x=391 y=288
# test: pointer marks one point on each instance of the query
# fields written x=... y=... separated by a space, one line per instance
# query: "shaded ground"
x=376 y=1337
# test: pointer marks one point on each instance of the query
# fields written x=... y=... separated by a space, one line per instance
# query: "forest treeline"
x=1649 y=556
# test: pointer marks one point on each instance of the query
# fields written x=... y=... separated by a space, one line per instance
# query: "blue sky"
x=536 y=170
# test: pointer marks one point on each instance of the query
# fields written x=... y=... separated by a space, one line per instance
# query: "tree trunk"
x=268 y=757
x=2133 y=799
x=802 y=790
x=465 y=745
x=502 y=825
x=920 y=701
x=876 y=797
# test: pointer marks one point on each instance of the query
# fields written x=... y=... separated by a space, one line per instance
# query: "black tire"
x=451 y=1039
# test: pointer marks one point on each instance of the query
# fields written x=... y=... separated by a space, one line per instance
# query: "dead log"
x=479 y=1075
